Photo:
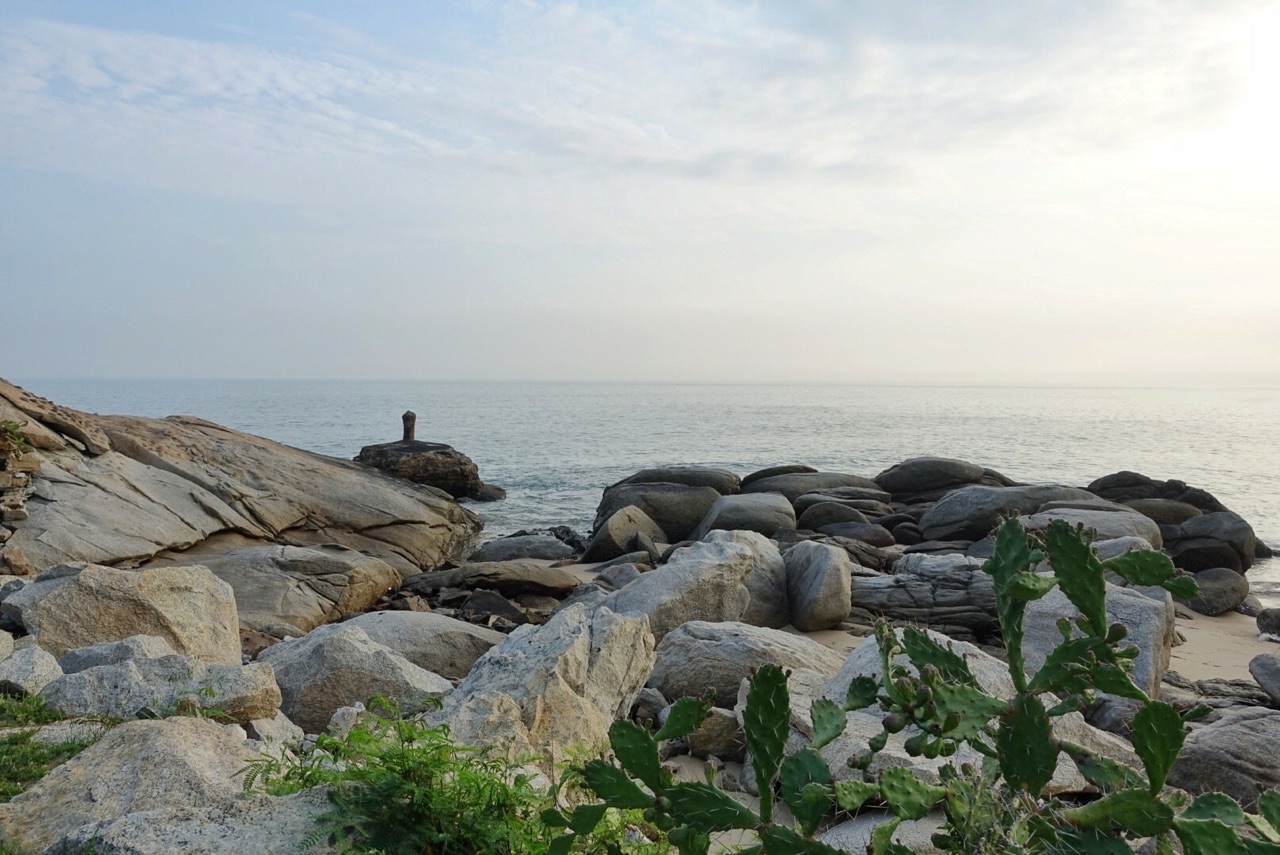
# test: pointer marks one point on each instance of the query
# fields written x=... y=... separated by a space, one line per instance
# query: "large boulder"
x=705 y=581
x=143 y=486
x=27 y=669
x=948 y=593
x=1220 y=591
x=509 y=578
x=1126 y=486
x=926 y=474
x=763 y=513
x=539 y=547
x=770 y=471
x=1227 y=528
x=435 y=643
x=616 y=535
x=553 y=686
x=766 y=581
x=135 y=767
x=970 y=513
x=290 y=590
x=1164 y=511
x=1235 y=755
x=795 y=485
x=188 y=607
x=820 y=514
x=722 y=481
x=1147 y=614
x=818 y=585
x=432 y=463
x=698 y=656
x=162 y=686
x=339 y=665
x=675 y=508
x=1108 y=523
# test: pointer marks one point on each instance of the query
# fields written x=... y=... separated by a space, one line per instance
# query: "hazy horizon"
x=1053 y=195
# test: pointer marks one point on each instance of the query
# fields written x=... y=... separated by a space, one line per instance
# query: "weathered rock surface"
x=722 y=481
x=538 y=547
x=766 y=581
x=675 y=508
x=1235 y=755
x=162 y=686
x=1269 y=621
x=818 y=585
x=699 y=655
x=1221 y=590
x=27 y=669
x=290 y=590
x=1265 y=668
x=1147 y=614
x=552 y=686
x=817 y=515
x=616 y=534
x=435 y=643
x=1164 y=511
x=948 y=593
x=431 y=463
x=971 y=512
x=137 y=766
x=260 y=824
x=705 y=581
x=1221 y=527
x=924 y=474
x=339 y=665
x=148 y=485
x=872 y=535
x=763 y=513
x=797 y=484
x=1126 y=486
x=508 y=578
x=115 y=652
x=189 y=607
x=719 y=735
x=1106 y=522
x=769 y=472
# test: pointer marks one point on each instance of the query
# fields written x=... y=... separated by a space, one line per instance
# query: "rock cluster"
x=536 y=643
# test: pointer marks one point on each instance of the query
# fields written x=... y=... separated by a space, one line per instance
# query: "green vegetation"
x=24 y=761
x=12 y=442
x=999 y=806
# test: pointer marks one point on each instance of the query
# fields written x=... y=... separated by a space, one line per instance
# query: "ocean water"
x=555 y=446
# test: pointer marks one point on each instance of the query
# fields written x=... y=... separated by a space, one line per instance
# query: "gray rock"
x=795 y=485
x=263 y=825
x=135 y=767
x=722 y=481
x=786 y=469
x=1235 y=755
x=705 y=581
x=946 y=592
x=1265 y=668
x=923 y=474
x=542 y=547
x=115 y=652
x=818 y=585
x=1221 y=590
x=291 y=586
x=275 y=734
x=1269 y=622
x=163 y=686
x=719 y=735
x=1203 y=553
x=675 y=508
x=27 y=669
x=873 y=535
x=337 y=665
x=616 y=534
x=1107 y=523
x=1227 y=527
x=189 y=607
x=431 y=463
x=553 y=686
x=509 y=578
x=698 y=656
x=817 y=515
x=1150 y=622
x=854 y=835
x=971 y=512
x=144 y=486
x=766 y=581
x=435 y=643
x=648 y=707
x=764 y=513
x=1164 y=511
x=873 y=502
x=6 y=644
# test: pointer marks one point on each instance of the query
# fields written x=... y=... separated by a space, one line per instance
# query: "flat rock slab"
x=539 y=547
x=508 y=578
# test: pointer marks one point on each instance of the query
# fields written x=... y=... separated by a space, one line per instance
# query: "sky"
x=808 y=191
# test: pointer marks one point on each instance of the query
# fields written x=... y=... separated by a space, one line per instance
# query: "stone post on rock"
x=410 y=419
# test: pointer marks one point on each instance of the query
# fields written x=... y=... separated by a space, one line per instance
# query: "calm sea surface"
x=554 y=447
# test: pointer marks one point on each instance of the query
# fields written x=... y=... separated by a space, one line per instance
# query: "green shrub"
x=999 y=806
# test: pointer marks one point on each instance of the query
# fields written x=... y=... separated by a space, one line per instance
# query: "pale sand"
x=1218 y=647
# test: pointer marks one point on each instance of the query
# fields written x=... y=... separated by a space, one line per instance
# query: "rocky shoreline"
x=152 y=569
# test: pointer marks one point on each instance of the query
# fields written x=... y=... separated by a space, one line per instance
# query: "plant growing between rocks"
x=996 y=806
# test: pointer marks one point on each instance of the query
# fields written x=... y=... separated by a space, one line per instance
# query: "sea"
x=555 y=446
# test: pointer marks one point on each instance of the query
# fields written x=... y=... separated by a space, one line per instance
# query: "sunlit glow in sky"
x=1082 y=193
